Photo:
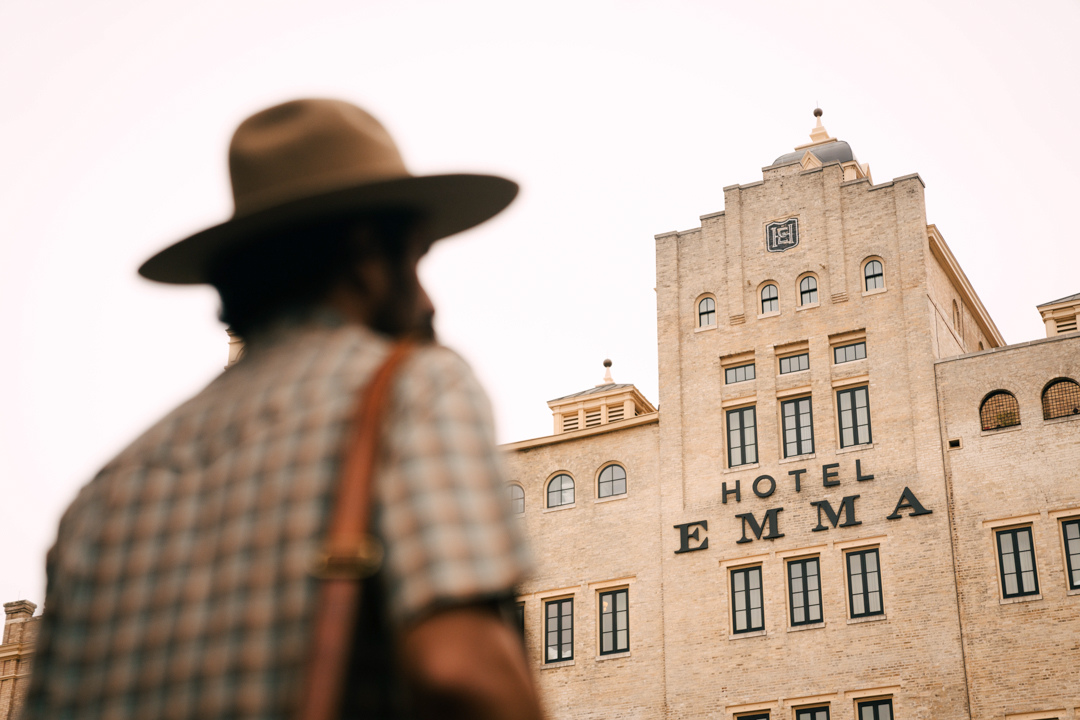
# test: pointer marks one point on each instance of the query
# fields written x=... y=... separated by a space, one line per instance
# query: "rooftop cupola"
x=1060 y=316
x=607 y=402
x=823 y=150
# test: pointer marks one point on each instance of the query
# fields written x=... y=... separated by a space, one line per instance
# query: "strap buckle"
x=357 y=563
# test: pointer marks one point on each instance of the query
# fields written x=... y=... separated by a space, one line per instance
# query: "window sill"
x=1073 y=591
x=808 y=626
x=800 y=308
x=1021 y=599
x=875 y=291
x=613 y=656
x=517 y=515
x=774 y=313
x=561 y=507
x=553 y=665
x=867 y=618
x=999 y=431
x=849 y=362
x=797 y=458
x=793 y=372
x=611 y=498
x=853 y=448
x=703 y=328
x=751 y=634
x=1067 y=418
x=737 y=468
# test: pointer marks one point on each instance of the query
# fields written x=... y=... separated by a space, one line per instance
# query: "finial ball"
x=818 y=112
x=607 y=363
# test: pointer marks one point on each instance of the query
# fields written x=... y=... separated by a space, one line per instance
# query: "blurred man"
x=179 y=585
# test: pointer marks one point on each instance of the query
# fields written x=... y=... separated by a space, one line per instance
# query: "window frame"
x=1050 y=386
x=746 y=572
x=789 y=358
x=573 y=489
x=513 y=500
x=1015 y=531
x=559 y=628
x=845 y=346
x=741 y=430
x=809 y=713
x=600 y=481
x=735 y=368
x=806 y=605
x=813 y=291
x=614 y=593
x=874 y=704
x=1072 y=560
x=862 y=553
x=798 y=426
x=880 y=274
x=701 y=301
x=986 y=400
x=852 y=392
x=774 y=299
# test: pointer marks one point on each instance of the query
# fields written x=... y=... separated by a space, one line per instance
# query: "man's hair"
x=292 y=271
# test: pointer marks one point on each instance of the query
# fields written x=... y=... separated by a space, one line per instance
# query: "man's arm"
x=466 y=662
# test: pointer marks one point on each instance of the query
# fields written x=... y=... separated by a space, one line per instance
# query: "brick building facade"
x=856 y=501
x=842 y=505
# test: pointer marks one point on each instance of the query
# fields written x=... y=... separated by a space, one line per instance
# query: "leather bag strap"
x=349 y=554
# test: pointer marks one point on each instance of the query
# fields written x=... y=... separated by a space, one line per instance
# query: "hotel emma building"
x=854 y=501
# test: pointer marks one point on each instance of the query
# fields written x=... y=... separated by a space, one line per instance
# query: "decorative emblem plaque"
x=782 y=235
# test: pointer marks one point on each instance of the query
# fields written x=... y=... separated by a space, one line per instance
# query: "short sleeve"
x=441 y=510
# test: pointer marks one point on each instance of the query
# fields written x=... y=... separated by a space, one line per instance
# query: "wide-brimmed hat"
x=309 y=160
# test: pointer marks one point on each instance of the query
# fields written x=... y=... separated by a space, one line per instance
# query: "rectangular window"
x=1017 y=556
x=742 y=436
x=746 y=606
x=818 y=713
x=739 y=374
x=864 y=583
x=854 y=407
x=614 y=622
x=804 y=591
x=798 y=427
x=847 y=353
x=794 y=363
x=1071 y=531
x=875 y=710
x=521 y=618
x=559 y=629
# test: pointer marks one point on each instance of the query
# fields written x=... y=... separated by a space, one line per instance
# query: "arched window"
x=770 y=299
x=999 y=410
x=955 y=316
x=612 y=481
x=875 y=278
x=560 y=491
x=517 y=499
x=808 y=290
x=706 y=312
x=1061 y=398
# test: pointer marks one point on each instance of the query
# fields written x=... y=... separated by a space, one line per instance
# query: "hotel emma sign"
x=692 y=535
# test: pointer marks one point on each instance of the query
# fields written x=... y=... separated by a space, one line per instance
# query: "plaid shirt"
x=178 y=586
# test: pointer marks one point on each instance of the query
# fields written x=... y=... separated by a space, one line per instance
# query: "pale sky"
x=620 y=119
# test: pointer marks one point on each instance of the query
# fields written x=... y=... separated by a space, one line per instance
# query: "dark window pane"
x=1016 y=560
x=999 y=410
x=742 y=436
x=560 y=491
x=559 y=630
x=1061 y=399
x=864 y=583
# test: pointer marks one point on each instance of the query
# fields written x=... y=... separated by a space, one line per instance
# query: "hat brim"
x=448 y=204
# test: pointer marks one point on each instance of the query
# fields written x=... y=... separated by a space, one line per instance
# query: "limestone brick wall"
x=1023 y=656
x=710 y=671
x=594 y=545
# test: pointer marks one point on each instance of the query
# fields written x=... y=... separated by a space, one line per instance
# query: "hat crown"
x=307 y=147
